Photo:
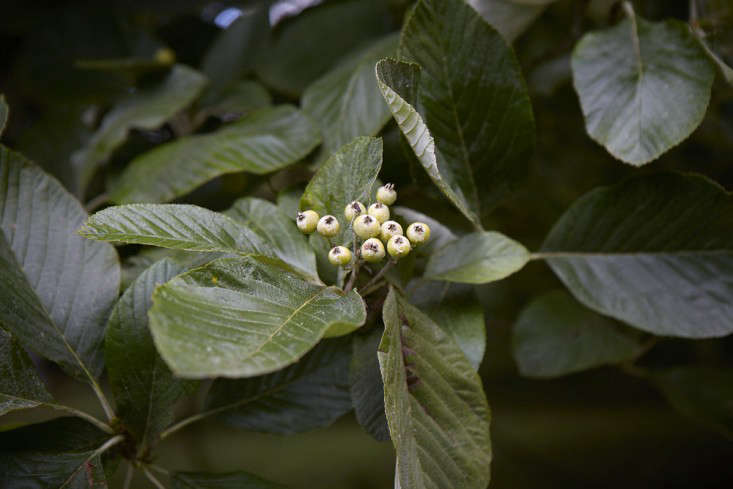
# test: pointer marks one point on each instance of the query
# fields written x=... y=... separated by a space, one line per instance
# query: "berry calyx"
x=339 y=256
x=418 y=233
x=366 y=226
x=372 y=250
x=398 y=246
x=386 y=194
x=328 y=226
x=353 y=209
x=307 y=221
x=379 y=211
x=389 y=229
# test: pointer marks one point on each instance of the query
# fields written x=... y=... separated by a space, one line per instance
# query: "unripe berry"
x=339 y=255
x=389 y=229
x=418 y=233
x=398 y=246
x=307 y=221
x=379 y=211
x=386 y=194
x=365 y=226
x=328 y=226
x=353 y=210
x=372 y=250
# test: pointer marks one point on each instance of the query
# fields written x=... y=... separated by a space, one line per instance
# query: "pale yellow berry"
x=418 y=233
x=379 y=211
x=307 y=221
x=365 y=226
x=328 y=226
x=372 y=250
x=354 y=209
x=386 y=194
x=398 y=246
x=389 y=229
x=165 y=56
x=339 y=255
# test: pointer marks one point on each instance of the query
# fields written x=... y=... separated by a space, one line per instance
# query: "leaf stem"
x=183 y=423
x=81 y=414
x=105 y=446
x=159 y=469
x=128 y=476
x=629 y=11
x=102 y=399
x=366 y=291
x=152 y=478
x=97 y=202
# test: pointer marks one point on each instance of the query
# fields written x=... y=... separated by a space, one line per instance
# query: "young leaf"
x=704 y=394
x=346 y=102
x=312 y=393
x=261 y=142
x=655 y=252
x=144 y=387
x=348 y=175
x=178 y=226
x=643 y=86
x=510 y=17
x=278 y=234
x=455 y=309
x=144 y=109
x=477 y=258
x=20 y=386
x=57 y=288
x=242 y=317
x=436 y=409
x=555 y=336
x=230 y=480
x=367 y=388
x=467 y=116
x=4 y=111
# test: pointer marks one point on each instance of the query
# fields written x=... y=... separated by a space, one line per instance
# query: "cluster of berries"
x=372 y=225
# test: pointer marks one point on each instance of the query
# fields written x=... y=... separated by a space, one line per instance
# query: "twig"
x=366 y=291
x=354 y=274
x=97 y=202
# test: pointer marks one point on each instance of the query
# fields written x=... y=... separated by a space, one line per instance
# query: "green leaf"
x=643 y=86
x=704 y=394
x=45 y=455
x=229 y=480
x=279 y=236
x=137 y=264
x=178 y=226
x=465 y=110
x=346 y=102
x=143 y=386
x=20 y=386
x=57 y=288
x=147 y=108
x=241 y=317
x=287 y=62
x=477 y=258
x=455 y=309
x=261 y=142
x=312 y=393
x=4 y=111
x=367 y=388
x=436 y=409
x=655 y=252
x=233 y=101
x=349 y=174
x=555 y=336
x=510 y=17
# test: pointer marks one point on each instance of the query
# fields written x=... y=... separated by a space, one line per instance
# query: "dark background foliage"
x=600 y=428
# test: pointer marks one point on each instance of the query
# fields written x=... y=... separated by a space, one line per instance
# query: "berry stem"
x=379 y=275
x=352 y=278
